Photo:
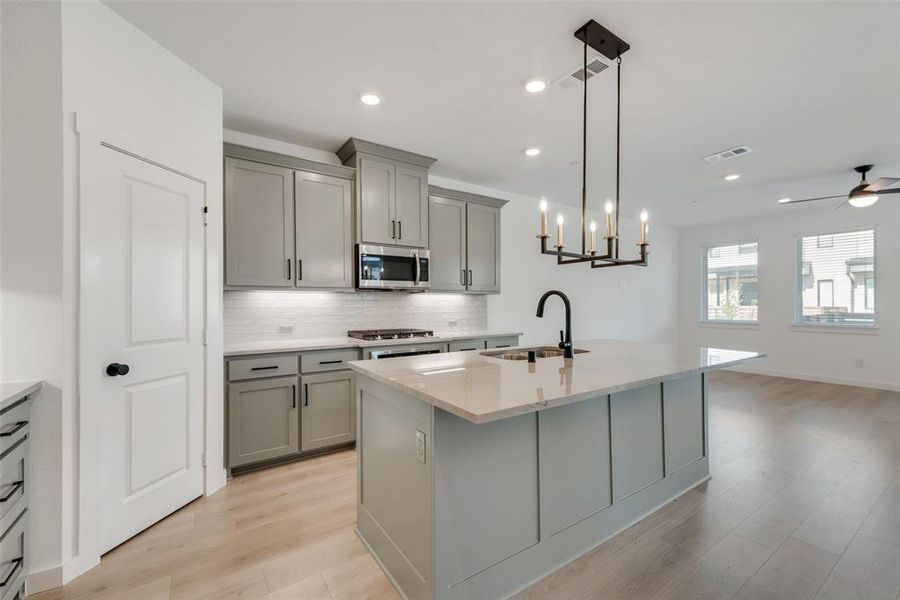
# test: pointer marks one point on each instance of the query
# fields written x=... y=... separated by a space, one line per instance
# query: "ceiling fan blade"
x=842 y=204
x=894 y=191
x=881 y=183
x=814 y=199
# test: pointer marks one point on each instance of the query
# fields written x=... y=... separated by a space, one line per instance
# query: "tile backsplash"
x=261 y=315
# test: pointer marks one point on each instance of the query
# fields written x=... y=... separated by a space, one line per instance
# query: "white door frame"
x=89 y=463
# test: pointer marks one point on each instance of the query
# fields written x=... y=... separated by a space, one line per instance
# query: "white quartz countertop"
x=11 y=391
x=482 y=389
x=330 y=343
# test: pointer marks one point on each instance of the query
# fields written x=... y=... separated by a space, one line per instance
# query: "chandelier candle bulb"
x=559 y=231
x=593 y=236
x=543 y=206
x=609 y=211
x=644 y=217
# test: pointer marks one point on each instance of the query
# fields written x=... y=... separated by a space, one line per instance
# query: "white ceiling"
x=812 y=87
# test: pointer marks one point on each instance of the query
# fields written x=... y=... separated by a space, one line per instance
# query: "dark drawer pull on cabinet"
x=19 y=425
x=17 y=485
x=330 y=362
x=293 y=396
x=17 y=564
x=305 y=394
x=269 y=368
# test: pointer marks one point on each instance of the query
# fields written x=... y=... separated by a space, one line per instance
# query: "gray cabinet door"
x=377 y=188
x=483 y=248
x=262 y=420
x=259 y=224
x=328 y=412
x=324 y=246
x=411 y=208
x=447 y=236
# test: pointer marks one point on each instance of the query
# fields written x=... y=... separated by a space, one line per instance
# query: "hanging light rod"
x=611 y=46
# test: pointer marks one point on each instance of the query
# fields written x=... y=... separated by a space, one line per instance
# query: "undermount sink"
x=522 y=353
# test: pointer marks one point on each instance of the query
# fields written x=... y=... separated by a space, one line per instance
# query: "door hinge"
x=203 y=459
x=205 y=338
x=205 y=212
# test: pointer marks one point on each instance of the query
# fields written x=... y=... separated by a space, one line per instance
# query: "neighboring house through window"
x=836 y=278
x=732 y=282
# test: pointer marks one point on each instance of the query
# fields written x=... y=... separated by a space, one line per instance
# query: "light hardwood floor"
x=804 y=503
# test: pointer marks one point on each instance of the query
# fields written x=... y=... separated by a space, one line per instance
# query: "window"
x=732 y=283
x=836 y=279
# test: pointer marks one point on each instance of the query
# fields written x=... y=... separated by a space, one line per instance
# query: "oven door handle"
x=418 y=266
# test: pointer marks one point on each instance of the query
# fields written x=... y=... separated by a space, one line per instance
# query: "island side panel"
x=395 y=484
x=572 y=489
x=684 y=422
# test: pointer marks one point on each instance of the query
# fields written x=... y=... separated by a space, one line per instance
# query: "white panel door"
x=142 y=306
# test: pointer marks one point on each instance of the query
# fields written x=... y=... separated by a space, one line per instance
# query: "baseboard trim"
x=877 y=385
x=41 y=581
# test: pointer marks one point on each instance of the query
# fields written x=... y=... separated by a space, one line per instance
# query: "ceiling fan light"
x=863 y=200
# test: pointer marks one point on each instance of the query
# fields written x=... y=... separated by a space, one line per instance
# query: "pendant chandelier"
x=612 y=47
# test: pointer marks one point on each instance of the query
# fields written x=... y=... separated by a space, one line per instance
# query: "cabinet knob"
x=115 y=369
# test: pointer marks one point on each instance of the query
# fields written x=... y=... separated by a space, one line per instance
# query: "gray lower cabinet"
x=259 y=224
x=328 y=413
x=324 y=241
x=263 y=421
x=15 y=484
x=464 y=345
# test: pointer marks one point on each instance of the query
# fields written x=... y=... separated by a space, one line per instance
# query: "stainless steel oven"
x=403 y=351
x=392 y=268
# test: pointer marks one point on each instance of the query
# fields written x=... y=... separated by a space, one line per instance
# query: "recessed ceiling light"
x=535 y=85
x=784 y=200
x=532 y=151
x=370 y=99
x=733 y=177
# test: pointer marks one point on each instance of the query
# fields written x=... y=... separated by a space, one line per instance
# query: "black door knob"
x=114 y=369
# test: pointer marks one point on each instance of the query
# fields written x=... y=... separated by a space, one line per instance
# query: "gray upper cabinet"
x=328 y=413
x=465 y=241
x=483 y=248
x=324 y=208
x=259 y=218
x=377 y=184
x=392 y=195
x=262 y=420
x=411 y=208
x=448 y=244
x=288 y=221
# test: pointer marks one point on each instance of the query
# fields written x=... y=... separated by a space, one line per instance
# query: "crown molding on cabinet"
x=358 y=146
x=441 y=192
x=284 y=160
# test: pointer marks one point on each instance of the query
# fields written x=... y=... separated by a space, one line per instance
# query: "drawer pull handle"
x=17 y=485
x=305 y=394
x=502 y=346
x=19 y=425
x=330 y=362
x=293 y=396
x=264 y=368
x=17 y=564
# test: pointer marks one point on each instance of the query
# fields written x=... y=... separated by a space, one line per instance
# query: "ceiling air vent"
x=726 y=154
x=595 y=66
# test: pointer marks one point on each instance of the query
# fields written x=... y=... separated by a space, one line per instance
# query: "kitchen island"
x=481 y=472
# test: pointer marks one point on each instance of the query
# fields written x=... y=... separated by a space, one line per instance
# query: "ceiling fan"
x=864 y=194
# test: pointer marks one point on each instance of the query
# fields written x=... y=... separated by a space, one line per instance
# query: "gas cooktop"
x=389 y=334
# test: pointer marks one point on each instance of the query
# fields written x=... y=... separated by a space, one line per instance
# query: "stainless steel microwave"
x=392 y=268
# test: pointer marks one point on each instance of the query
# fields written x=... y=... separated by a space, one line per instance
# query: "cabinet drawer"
x=14 y=425
x=267 y=366
x=13 y=475
x=327 y=360
x=464 y=345
x=12 y=557
x=502 y=342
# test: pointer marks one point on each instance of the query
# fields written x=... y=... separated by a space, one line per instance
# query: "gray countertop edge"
x=13 y=391
x=505 y=413
x=301 y=345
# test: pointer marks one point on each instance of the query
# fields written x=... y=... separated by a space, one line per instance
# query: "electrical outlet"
x=860 y=363
x=285 y=329
x=420 y=445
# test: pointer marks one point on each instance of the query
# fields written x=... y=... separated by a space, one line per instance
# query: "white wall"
x=59 y=60
x=32 y=331
x=632 y=303
x=815 y=353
